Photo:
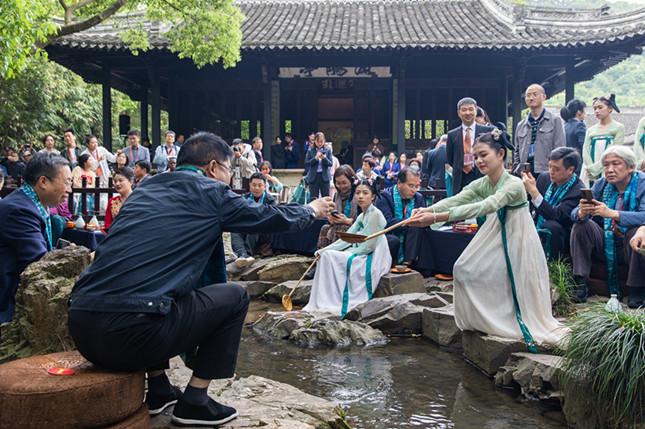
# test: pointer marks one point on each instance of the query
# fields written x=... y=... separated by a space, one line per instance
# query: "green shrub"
x=561 y=276
x=606 y=352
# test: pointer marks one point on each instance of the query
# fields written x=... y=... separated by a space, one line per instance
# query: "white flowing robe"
x=482 y=286
x=331 y=274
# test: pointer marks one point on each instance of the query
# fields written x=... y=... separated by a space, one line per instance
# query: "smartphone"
x=62 y=243
x=586 y=194
x=525 y=167
x=335 y=213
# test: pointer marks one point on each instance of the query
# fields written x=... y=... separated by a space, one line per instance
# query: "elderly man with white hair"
x=605 y=225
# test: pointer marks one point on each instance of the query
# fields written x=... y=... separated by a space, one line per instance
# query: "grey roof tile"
x=315 y=25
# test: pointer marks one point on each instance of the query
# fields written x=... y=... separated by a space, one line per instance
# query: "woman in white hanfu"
x=501 y=280
x=347 y=274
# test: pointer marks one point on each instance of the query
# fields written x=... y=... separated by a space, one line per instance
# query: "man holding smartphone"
x=553 y=197
x=605 y=225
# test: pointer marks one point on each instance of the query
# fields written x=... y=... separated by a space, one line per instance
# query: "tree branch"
x=63 y=4
x=88 y=23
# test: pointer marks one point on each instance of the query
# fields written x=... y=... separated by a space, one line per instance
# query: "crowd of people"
x=530 y=195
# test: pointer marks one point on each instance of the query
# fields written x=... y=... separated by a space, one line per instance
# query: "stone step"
x=397 y=284
x=440 y=327
x=489 y=353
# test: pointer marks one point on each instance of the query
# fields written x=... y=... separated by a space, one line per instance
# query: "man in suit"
x=461 y=140
x=135 y=151
x=25 y=225
x=396 y=203
x=537 y=135
x=319 y=159
x=553 y=197
x=71 y=152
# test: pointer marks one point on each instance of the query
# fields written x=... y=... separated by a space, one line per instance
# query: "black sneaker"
x=157 y=403
x=211 y=414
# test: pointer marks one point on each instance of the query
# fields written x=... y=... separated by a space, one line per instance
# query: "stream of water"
x=410 y=383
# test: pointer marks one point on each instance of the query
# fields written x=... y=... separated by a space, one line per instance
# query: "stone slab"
x=300 y=295
x=255 y=288
x=396 y=284
x=440 y=327
x=487 y=352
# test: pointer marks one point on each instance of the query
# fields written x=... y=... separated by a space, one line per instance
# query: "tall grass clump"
x=606 y=354
x=561 y=277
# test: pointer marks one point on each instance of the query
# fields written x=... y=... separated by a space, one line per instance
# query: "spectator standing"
x=437 y=159
x=48 y=143
x=240 y=164
x=319 y=159
x=278 y=155
x=135 y=151
x=257 y=145
x=291 y=152
x=575 y=129
x=99 y=158
x=536 y=136
x=639 y=145
x=165 y=151
x=71 y=152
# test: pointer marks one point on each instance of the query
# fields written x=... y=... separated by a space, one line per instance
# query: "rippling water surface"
x=410 y=383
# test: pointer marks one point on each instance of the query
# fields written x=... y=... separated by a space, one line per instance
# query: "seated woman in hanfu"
x=501 y=280
x=347 y=274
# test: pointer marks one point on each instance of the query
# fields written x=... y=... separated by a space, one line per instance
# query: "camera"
x=236 y=148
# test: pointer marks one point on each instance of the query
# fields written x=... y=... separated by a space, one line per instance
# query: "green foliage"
x=561 y=276
x=206 y=31
x=48 y=98
x=607 y=351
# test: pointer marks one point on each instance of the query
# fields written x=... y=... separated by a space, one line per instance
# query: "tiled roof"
x=318 y=25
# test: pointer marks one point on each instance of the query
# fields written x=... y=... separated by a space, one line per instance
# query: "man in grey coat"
x=536 y=136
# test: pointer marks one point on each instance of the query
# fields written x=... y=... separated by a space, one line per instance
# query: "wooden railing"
x=96 y=193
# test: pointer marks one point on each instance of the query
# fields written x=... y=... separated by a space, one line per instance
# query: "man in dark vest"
x=135 y=316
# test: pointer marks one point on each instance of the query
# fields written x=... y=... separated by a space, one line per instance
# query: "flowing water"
x=410 y=383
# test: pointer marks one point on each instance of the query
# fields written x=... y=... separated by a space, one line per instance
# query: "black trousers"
x=411 y=245
x=319 y=186
x=206 y=325
x=559 y=238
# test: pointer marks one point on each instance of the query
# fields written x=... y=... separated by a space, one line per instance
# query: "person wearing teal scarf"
x=605 y=225
x=553 y=196
x=25 y=223
x=396 y=204
x=244 y=245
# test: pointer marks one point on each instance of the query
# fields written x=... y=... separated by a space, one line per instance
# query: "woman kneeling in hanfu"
x=501 y=280
x=348 y=273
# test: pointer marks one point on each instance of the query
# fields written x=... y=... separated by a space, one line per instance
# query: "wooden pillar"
x=398 y=114
x=271 y=116
x=173 y=107
x=516 y=96
x=143 y=111
x=155 y=102
x=107 y=108
x=569 y=83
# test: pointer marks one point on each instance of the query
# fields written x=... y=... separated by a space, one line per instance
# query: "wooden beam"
x=107 y=108
x=570 y=83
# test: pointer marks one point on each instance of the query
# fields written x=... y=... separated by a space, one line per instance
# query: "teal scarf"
x=399 y=213
x=252 y=198
x=554 y=198
x=347 y=210
x=31 y=193
x=191 y=168
x=528 y=338
x=609 y=197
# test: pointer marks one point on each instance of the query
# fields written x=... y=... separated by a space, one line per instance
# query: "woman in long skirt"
x=501 y=280
x=347 y=274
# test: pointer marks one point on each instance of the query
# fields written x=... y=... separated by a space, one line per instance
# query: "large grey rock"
x=255 y=288
x=439 y=326
x=487 y=352
x=316 y=330
x=284 y=268
x=537 y=375
x=433 y=285
x=396 y=284
x=261 y=403
x=300 y=296
x=397 y=314
x=40 y=320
